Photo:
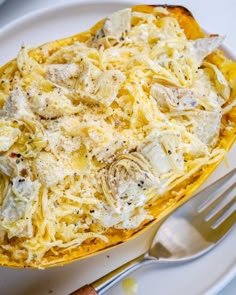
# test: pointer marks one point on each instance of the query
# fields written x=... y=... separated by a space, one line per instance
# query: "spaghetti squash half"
x=103 y=133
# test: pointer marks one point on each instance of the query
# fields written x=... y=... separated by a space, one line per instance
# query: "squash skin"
x=163 y=206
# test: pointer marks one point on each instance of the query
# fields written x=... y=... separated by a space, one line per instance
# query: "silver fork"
x=189 y=232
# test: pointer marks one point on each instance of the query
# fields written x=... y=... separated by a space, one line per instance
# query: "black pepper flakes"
x=24 y=172
x=169 y=152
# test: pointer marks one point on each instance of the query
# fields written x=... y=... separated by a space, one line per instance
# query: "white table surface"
x=217 y=16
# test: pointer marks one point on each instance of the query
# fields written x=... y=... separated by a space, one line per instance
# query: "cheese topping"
x=100 y=128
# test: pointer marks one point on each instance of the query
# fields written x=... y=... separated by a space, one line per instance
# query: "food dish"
x=64 y=20
x=180 y=195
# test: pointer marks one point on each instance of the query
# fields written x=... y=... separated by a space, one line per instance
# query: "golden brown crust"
x=163 y=205
x=182 y=14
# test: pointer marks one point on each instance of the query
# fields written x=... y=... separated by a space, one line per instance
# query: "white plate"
x=207 y=275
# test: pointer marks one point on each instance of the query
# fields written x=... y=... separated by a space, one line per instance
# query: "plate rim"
x=230 y=273
x=37 y=13
x=54 y=8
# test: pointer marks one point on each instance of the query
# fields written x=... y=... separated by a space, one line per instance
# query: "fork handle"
x=103 y=284
x=85 y=290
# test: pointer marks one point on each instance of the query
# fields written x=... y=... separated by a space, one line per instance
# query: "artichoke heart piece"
x=156 y=155
x=115 y=26
x=205 y=46
x=173 y=98
x=220 y=82
x=107 y=86
x=16 y=106
x=118 y=23
x=61 y=73
x=8 y=136
x=206 y=126
x=163 y=152
x=17 y=207
x=127 y=182
x=29 y=136
x=22 y=191
x=98 y=87
x=8 y=166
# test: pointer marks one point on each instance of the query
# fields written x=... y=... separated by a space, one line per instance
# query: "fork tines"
x=219 y=206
